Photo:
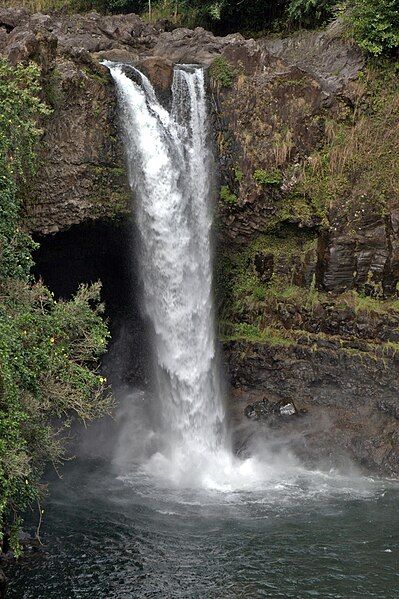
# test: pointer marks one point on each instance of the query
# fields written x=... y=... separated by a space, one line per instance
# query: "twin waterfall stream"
x=172 y=178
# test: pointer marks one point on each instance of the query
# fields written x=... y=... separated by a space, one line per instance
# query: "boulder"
x=159 y=71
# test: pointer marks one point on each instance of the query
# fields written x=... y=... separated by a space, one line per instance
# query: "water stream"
x=171 y=175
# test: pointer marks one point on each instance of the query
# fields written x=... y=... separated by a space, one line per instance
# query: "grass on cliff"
x=40 y=5
x=242 y=289
x=264 y=294
x=358 y=168
x=251 y=332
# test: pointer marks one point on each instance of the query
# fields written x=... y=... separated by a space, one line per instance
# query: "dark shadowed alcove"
x=101 y=251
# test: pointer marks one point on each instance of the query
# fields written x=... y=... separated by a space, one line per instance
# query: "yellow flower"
x=52 y=340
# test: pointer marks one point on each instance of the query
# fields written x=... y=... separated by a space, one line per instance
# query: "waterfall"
x=171 y=176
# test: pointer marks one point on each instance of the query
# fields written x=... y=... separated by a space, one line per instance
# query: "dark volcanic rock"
x=81 y=153
x=82 y=175
x=324 y=55
x=351 y=401
x=271 y=411
x=159 y=71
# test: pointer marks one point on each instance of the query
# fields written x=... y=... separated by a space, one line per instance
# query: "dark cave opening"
x=102 y=251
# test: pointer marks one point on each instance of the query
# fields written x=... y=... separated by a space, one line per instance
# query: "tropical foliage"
x=48 y=349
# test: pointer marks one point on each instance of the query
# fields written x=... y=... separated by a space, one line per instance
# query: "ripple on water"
x=313 y=535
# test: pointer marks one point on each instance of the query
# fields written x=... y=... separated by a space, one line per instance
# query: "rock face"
x=304 y=205
x=83 y=173
x=348 y=399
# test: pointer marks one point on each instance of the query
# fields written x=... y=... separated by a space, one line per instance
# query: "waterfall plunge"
x=171 y=175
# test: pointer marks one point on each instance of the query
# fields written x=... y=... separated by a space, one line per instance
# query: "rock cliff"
x=307 y=220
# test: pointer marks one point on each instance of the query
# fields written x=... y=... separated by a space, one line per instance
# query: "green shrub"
x=238 y=175
x=49 y=350
x=224 y=16
x=227 y=196
x=268 y=177
x=19 y=107
x=374 y=25
x=110 y=6
x=310 y=13
x=222 y=72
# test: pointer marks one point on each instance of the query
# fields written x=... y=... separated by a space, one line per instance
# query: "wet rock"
x=351 y=401
x=288 y=409
x=159 y=71
x=264 y=264
x=250 y=412
x=270 y=409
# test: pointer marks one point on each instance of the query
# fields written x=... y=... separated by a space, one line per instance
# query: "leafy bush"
x=110 y=6
x=19 y=106
x=268 y=178
x=310 y=13
x=235 y=15
x=227 y=196
x=222 y=72
x=374 y=25
x=48 y=349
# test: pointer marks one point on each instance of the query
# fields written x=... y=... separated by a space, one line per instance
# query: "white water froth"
x=170 y=172
x=171 y=175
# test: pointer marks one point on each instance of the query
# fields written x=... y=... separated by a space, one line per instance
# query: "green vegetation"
x=374 y=25
x=222 y=72
x=49 y=349
x=310 y=13
x=268 y=178
x=250 y=332
x=227 y=196
x=270 y=266
x=267 y=293
x=354 y=170
x=238 y=175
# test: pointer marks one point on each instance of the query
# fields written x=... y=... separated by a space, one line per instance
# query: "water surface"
x=307 y=536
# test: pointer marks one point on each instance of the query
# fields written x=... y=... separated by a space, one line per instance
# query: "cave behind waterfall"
x=101 y=251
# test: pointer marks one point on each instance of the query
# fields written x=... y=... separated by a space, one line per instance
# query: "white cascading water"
x=170 y=172
x=171 y=175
